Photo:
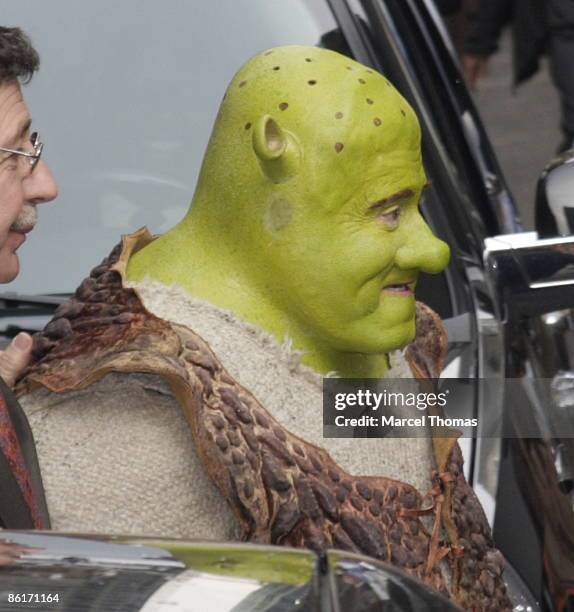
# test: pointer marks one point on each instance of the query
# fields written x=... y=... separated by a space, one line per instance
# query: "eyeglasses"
x=34 y=157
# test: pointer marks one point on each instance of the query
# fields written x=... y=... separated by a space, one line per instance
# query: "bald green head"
x=305 y=219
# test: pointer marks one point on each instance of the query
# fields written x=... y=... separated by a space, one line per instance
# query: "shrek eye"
x=390 y=217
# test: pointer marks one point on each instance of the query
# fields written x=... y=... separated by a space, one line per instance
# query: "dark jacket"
x=22 y=502
x=530 y=23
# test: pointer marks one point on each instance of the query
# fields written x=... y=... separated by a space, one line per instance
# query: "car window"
x=124 y=101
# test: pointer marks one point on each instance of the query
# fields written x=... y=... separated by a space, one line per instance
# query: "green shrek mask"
x=305 y=220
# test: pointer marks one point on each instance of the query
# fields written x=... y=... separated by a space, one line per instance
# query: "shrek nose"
x=423 y=251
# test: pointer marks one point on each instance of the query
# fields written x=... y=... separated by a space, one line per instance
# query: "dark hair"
x=18 y=58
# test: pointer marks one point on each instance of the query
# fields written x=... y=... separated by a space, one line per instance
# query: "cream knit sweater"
x=118 y=457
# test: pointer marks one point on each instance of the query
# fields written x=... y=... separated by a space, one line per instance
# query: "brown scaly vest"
x=282 y=489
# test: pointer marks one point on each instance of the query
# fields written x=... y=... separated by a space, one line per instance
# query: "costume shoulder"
x=104 y=327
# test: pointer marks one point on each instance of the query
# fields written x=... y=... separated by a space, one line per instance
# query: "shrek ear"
x=277 y=150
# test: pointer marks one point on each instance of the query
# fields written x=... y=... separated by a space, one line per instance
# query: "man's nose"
x=40 y=186
x=423 y=251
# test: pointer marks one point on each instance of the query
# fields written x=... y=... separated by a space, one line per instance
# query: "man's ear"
x=277 y=150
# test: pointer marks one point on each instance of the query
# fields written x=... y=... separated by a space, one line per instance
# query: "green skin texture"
x=291 y=231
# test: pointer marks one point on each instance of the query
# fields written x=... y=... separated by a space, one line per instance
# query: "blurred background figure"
x=457 y=15
x=448 y=7
x=538 y=26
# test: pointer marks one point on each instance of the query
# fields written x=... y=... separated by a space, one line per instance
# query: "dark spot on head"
x=283 y=106
x=268 y=52
x=339 y=146
x=377 y=121
x=338 y=115
x=403 y=113
x=242 y=83
x=276 y=67
x=312 y=82
x=362 y=81
x=349 y=68
x=370 y=71
x=247 y=126
x=308 y=59
x=369 y=101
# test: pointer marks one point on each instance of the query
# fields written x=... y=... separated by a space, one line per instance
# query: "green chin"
x=396 y=322
x=380 y=334
x=396 y=337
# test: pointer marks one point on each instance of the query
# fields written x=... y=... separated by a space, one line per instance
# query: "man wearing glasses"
x=25 y=182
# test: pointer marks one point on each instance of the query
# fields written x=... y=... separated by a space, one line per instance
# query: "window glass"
x=125 y=100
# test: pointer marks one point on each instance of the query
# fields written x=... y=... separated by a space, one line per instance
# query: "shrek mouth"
x=400 y=288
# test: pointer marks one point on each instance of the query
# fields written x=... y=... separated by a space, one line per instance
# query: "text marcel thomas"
x=386 y=399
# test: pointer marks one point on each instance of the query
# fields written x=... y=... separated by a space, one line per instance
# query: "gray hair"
x=18 y=58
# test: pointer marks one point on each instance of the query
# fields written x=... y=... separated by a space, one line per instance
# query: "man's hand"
x=475 y=68
x=15 y=358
